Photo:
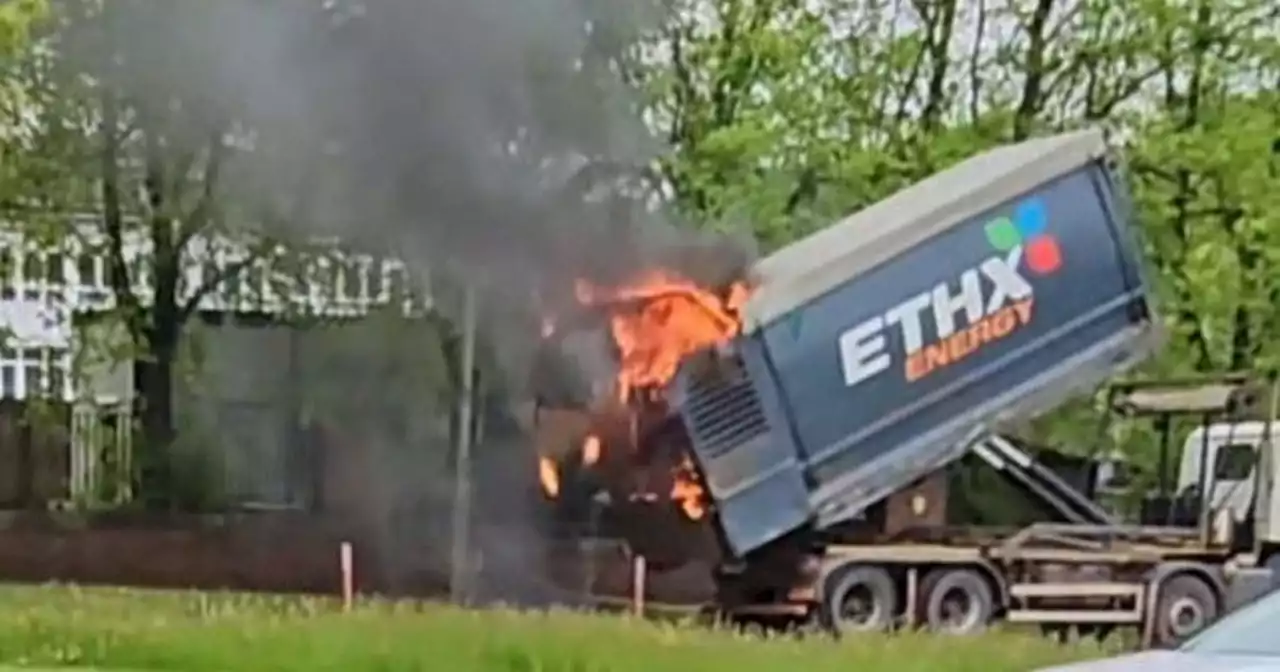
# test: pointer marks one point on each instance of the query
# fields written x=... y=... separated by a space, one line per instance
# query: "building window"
x=32 y=276
x=87 y=268
x=347 y=283
x=8 y=284
x=373 y=270
x=232 y=285
x=29 y=373
x=8 y=381
x=57 y=269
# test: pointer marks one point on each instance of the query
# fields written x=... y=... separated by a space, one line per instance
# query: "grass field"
x=115 y=629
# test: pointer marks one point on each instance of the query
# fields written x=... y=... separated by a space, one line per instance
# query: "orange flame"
x=661 y=320
x=591 y=450
x=688 y=491
x=656 y=323
x=549 y=476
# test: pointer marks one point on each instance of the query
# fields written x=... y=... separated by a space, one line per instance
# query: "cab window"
x=1234 y=462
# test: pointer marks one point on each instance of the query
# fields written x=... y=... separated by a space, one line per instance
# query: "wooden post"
x=346 y=561
x=638 y=572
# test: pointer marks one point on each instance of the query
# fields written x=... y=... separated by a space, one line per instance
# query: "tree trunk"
x=155 y=392
x=1032 y=98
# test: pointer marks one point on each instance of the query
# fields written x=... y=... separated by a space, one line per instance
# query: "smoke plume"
x=462 y=136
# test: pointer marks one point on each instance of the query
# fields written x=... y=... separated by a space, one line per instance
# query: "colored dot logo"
x=1027 y=228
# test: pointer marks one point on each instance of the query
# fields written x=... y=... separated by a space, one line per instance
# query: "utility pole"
x=460 y=567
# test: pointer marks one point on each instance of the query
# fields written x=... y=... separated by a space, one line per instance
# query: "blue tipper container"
x=875 y=351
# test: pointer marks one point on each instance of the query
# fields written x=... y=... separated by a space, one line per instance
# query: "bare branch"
x=975 y=76
x=213 y=282
x=1033 y=92
x=113 y=218
x=1125 y=92
x=1139 y=166
x=909 y=86
x=941 y=28
x=197 y=219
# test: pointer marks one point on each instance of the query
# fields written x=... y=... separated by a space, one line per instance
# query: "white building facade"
x=44 y=289
x=50 y=296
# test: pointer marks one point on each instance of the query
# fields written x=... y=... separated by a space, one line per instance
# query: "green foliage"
x=787 y=116
x=193 y=632
x=119 y=121
x=16 y=20
x=781 y=118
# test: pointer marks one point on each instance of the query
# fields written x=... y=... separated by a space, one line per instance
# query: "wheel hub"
x=959 y=611
x=860 y=609
x=1186 y=616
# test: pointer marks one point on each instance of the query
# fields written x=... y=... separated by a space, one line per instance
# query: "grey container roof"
x=812 y=266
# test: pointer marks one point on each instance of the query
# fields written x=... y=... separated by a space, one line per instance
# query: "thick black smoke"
x=462 y=136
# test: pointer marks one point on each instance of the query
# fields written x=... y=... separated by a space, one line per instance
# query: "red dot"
x=1043 y=255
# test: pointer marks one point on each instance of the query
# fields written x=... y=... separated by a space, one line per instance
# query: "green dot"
x=1003 y=234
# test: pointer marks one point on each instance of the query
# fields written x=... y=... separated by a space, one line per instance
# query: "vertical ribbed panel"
x=723 y=413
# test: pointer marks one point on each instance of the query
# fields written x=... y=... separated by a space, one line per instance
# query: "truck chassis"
x=1163 y=581
x=1090 y=574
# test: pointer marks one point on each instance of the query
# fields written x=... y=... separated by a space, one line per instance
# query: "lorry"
x=880 y=351
x=883 y=348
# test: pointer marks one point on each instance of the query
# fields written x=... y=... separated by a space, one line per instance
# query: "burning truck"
x=756 y=423
x=623 y=439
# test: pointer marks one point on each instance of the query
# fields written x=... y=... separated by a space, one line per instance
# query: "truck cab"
x=1228 y=454
x=1220 y=477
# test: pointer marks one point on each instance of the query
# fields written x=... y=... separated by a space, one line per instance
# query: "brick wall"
x=268 y=551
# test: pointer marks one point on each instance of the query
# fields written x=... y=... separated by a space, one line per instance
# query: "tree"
x=184 y=139
x=16 y=22
x=123 y=129
x=794 y=114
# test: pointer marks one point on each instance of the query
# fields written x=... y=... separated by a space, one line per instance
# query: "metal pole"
x=1264 y=478
x=459 y=584
x=1206 y=478
x=1165 y=428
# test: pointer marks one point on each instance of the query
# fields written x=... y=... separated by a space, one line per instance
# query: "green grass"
x=115 y=629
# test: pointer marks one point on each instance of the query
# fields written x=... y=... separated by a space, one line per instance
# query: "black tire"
x=957 y=602
x=859 y=598
x=1185 y=604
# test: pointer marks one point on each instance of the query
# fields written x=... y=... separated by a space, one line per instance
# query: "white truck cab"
x=1229 y=452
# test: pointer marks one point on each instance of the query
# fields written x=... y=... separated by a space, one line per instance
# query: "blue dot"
x=1030 y=218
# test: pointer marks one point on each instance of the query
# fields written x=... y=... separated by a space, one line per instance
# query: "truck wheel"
x=859 y=598
x=957 y=601
x=1184 y=606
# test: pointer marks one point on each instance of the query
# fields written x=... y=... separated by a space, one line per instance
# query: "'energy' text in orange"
x=961 y=344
